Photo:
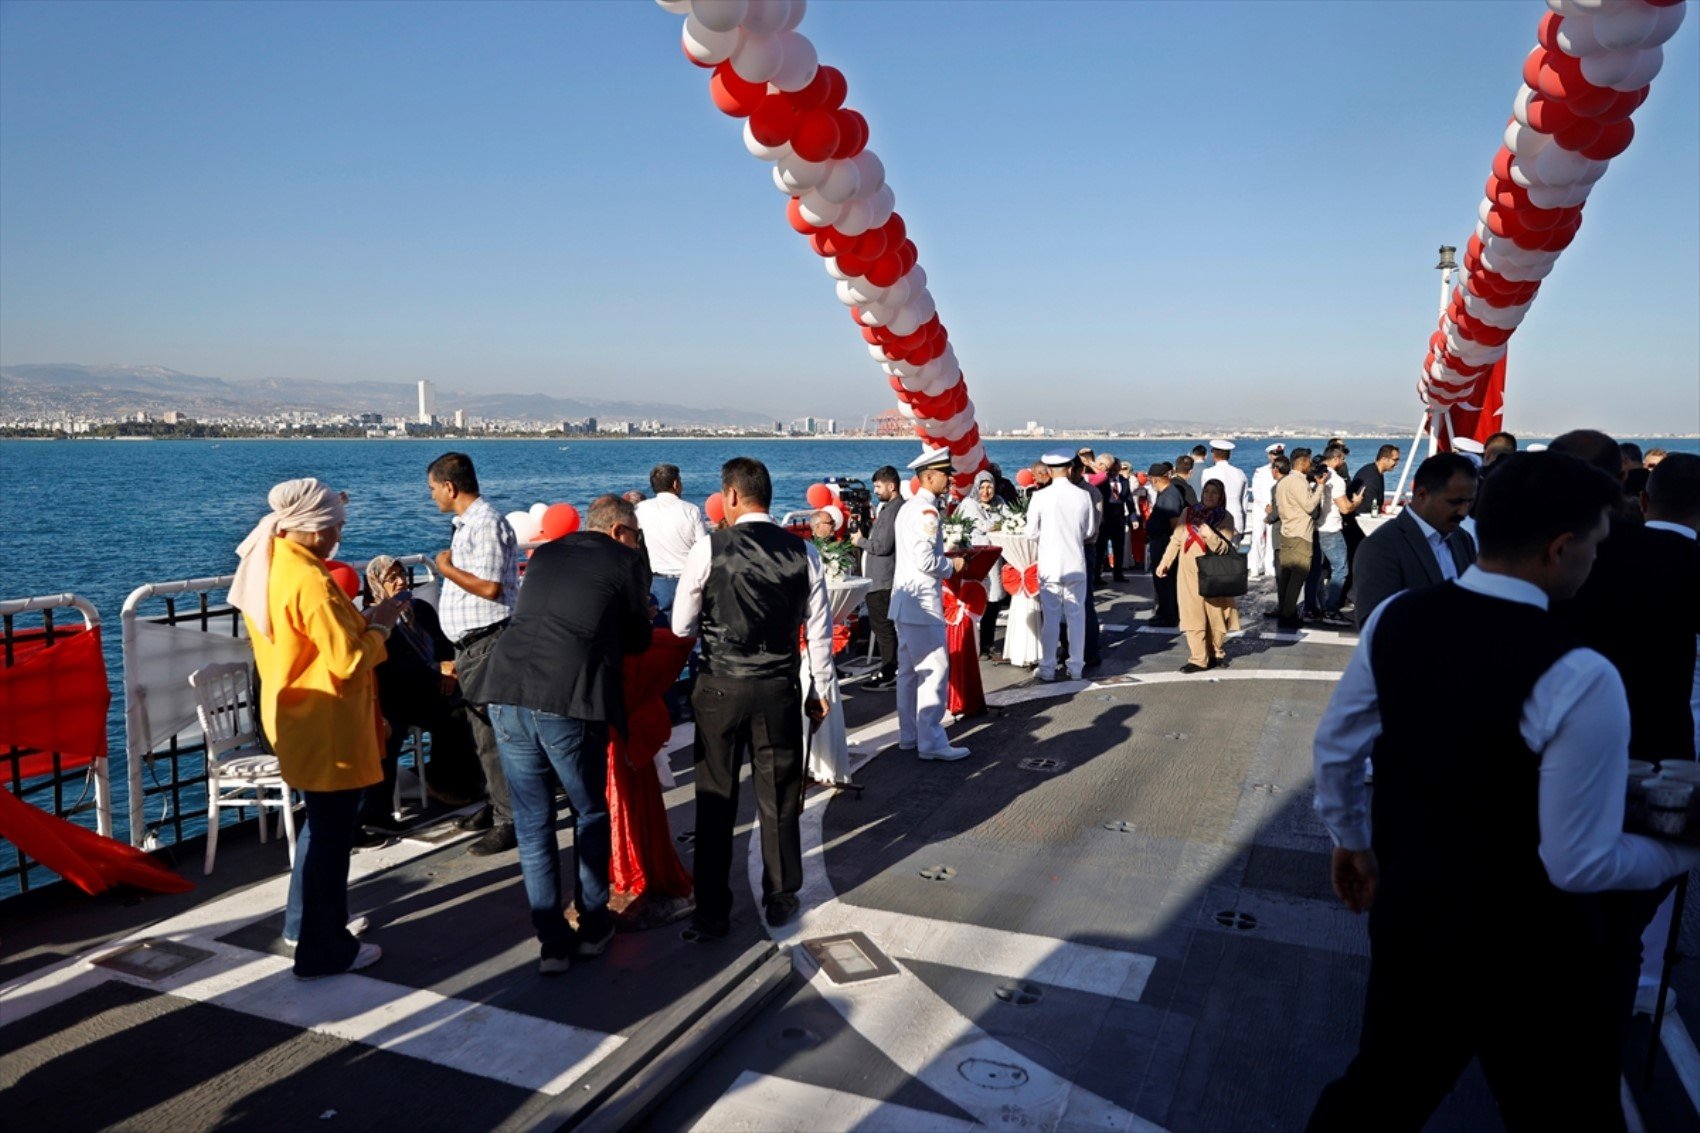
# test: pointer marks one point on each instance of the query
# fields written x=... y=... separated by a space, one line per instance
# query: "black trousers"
x=989 y=624
x=1112 y=541
x=467 y=662
x=1168 y=600
x=885 y=631
x=1354 y=537
x=766 y=718
x=1548 y=1032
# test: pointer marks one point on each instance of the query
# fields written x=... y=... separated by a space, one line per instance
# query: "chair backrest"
x=223 y=701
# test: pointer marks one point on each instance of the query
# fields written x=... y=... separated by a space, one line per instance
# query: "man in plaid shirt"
x=480 y=573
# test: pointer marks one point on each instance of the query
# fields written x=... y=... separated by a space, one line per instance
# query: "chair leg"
x=289 y=822
x=212 y=824
x=260 y=810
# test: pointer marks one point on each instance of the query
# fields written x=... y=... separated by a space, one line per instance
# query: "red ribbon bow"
x=1022 y=582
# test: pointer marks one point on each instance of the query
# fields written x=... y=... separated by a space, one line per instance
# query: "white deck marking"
x=1041 y=690
x=923 y=1034
x=1679 y=1047
x=759 y=1102
x=485 y=1041
x=1313 y=636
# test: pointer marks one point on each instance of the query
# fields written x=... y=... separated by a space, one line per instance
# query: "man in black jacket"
x=1422 y=545
x=553 y=684
x=1168 y=502
x=879 y=551
x=746 y=591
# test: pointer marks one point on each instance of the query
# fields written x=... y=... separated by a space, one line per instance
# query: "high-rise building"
x=427 y=403
x=460 y=418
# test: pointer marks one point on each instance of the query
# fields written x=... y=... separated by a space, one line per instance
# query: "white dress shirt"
x=1576 y=719
x=1234 y=484
x=1437 y=547
x=687 y=604
x=1694 y=697
x=671 y=527
x=1063 y=519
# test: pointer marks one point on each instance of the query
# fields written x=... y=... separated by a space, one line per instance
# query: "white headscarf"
x=296 y=505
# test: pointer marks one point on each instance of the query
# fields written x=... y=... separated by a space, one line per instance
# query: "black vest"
x=756 y=598
x=1455 y=813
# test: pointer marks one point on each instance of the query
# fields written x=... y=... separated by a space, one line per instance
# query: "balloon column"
x=1590 y=71
x=767 y=73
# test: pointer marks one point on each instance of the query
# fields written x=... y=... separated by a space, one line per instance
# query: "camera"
x=858 y=504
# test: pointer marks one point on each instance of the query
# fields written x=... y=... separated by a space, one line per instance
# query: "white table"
x=829 y=748
x=1021 y=634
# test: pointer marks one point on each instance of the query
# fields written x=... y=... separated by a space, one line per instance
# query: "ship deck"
x=1114 y=915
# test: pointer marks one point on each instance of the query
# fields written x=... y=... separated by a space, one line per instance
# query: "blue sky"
x=1124 y=209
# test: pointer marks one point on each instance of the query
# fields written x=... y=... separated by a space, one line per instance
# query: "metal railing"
x=165 y=751
x=49 y=790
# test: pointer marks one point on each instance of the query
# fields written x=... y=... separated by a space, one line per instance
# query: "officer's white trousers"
x=923 y=672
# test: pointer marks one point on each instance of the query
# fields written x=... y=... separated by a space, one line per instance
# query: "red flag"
x=80 y=856
x=53 y=698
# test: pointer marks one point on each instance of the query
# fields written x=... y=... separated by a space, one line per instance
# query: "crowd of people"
x=1555 y=553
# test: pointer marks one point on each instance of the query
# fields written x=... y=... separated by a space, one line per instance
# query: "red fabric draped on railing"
x=644 y=860
x=80 y=856
x=53 y=698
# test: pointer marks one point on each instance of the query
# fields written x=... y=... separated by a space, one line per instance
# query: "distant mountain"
x=1298 y=426
x=62 y=388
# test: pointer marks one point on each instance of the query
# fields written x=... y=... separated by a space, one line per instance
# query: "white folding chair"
x=414 y=743
x=240 y=772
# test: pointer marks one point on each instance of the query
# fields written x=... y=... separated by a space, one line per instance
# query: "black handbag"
x=1225 y=575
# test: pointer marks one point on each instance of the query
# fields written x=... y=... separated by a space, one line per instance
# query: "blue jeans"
x=316 y=915
x=663 y=588
x=532 y=744
x=1326 y=596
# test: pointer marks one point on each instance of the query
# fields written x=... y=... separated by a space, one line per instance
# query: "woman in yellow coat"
x=1205 y=529
x=314 y=654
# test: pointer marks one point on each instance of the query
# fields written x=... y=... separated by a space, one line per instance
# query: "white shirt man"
x=1233 y=481
x=1262 y=492
x=1063 y=519
x=671 y=526
x=917 y=608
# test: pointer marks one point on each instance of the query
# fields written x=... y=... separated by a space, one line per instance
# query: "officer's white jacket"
x=916 y=594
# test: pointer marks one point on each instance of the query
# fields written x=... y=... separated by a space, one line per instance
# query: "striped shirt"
x=484 y=546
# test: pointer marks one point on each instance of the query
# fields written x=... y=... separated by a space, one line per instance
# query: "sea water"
x=100 y=518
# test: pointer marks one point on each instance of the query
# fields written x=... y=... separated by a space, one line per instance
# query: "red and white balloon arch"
x=1591 y=70
x=768 y=73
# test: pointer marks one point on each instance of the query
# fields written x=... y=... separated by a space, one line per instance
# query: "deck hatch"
x=849 y=957
x=153 y=959
x=1043 y=764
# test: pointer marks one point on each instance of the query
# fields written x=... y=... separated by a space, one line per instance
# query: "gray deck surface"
x=1248 y=1004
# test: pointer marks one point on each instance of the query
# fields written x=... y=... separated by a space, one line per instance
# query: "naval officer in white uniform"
x=1262 y=531
x=1064 y=520
x=1233 y=480
x=917 y=608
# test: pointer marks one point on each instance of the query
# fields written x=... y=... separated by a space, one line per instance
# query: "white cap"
x=1536 y=447
x=1224 y=446
x=1468 y=445
x=931 y=458
x=1057 y=459
x=1276 y=447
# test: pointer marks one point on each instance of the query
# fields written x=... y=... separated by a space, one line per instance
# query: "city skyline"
x=1167 y=210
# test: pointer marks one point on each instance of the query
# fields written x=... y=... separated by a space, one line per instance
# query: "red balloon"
x=915 y=481
x=819 y=495
x=1549 y=117
x=851 y=262
x=870 y=245
x=1579 y=135
x=837 y=88
x=344 y=576
x=1587 y=100
x=1560 y=76
x=827 y=85
x=1547 y=33
x=885 y=271
x=1024 y=478
x=815 y=137
x=794 y=214
x=896 y=231
x=1613 y=140
x=1502 y=164
x=852 y=134
x=1532 y=64
x=1502 y=223
x=695 y=62
x=773 y=122
x=909 y=255
x=715 y=508
x=559 y=520
x=872 y=336
x=732 y=94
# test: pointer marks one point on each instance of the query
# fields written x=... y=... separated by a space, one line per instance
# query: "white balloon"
x=801 y=62
x=1524 y=141
x=1523 y=174
x=870 y=293
x=875 y=314
x=1520 y=273
x=705 y=44
x=538 y=511
x=1669 y=20
x=1648 y=61
x=871 y=171
x=903 y=487
x=765 y=17
x=719 y=15
x=817 y=211
x=853 y=221
x=758 y=57
x=915 y=381
x=765 y=152
x=1556 y=165
x=1576 y=36
x=521 y=522
x=800 y=174
x=847 y=295
x=880 y=207
x=1625 y=26
x=917 y=277
x=840 y=183
x=779 y=183
x=925 y=307
x=903 y=322
x=1609 y=67
x=876 y=352
x=906 y=409
x=898 y=293
x=904 y=370
x=1520 y=105
x=677 y=7
x=1568 y=8
x=1556 y=197
x=798 y=9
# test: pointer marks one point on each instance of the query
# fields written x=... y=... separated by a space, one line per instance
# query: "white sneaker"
x=949 y=754
x=356 y=927
x=1044 y=676
x=1647 y=999
x=1080 y=676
